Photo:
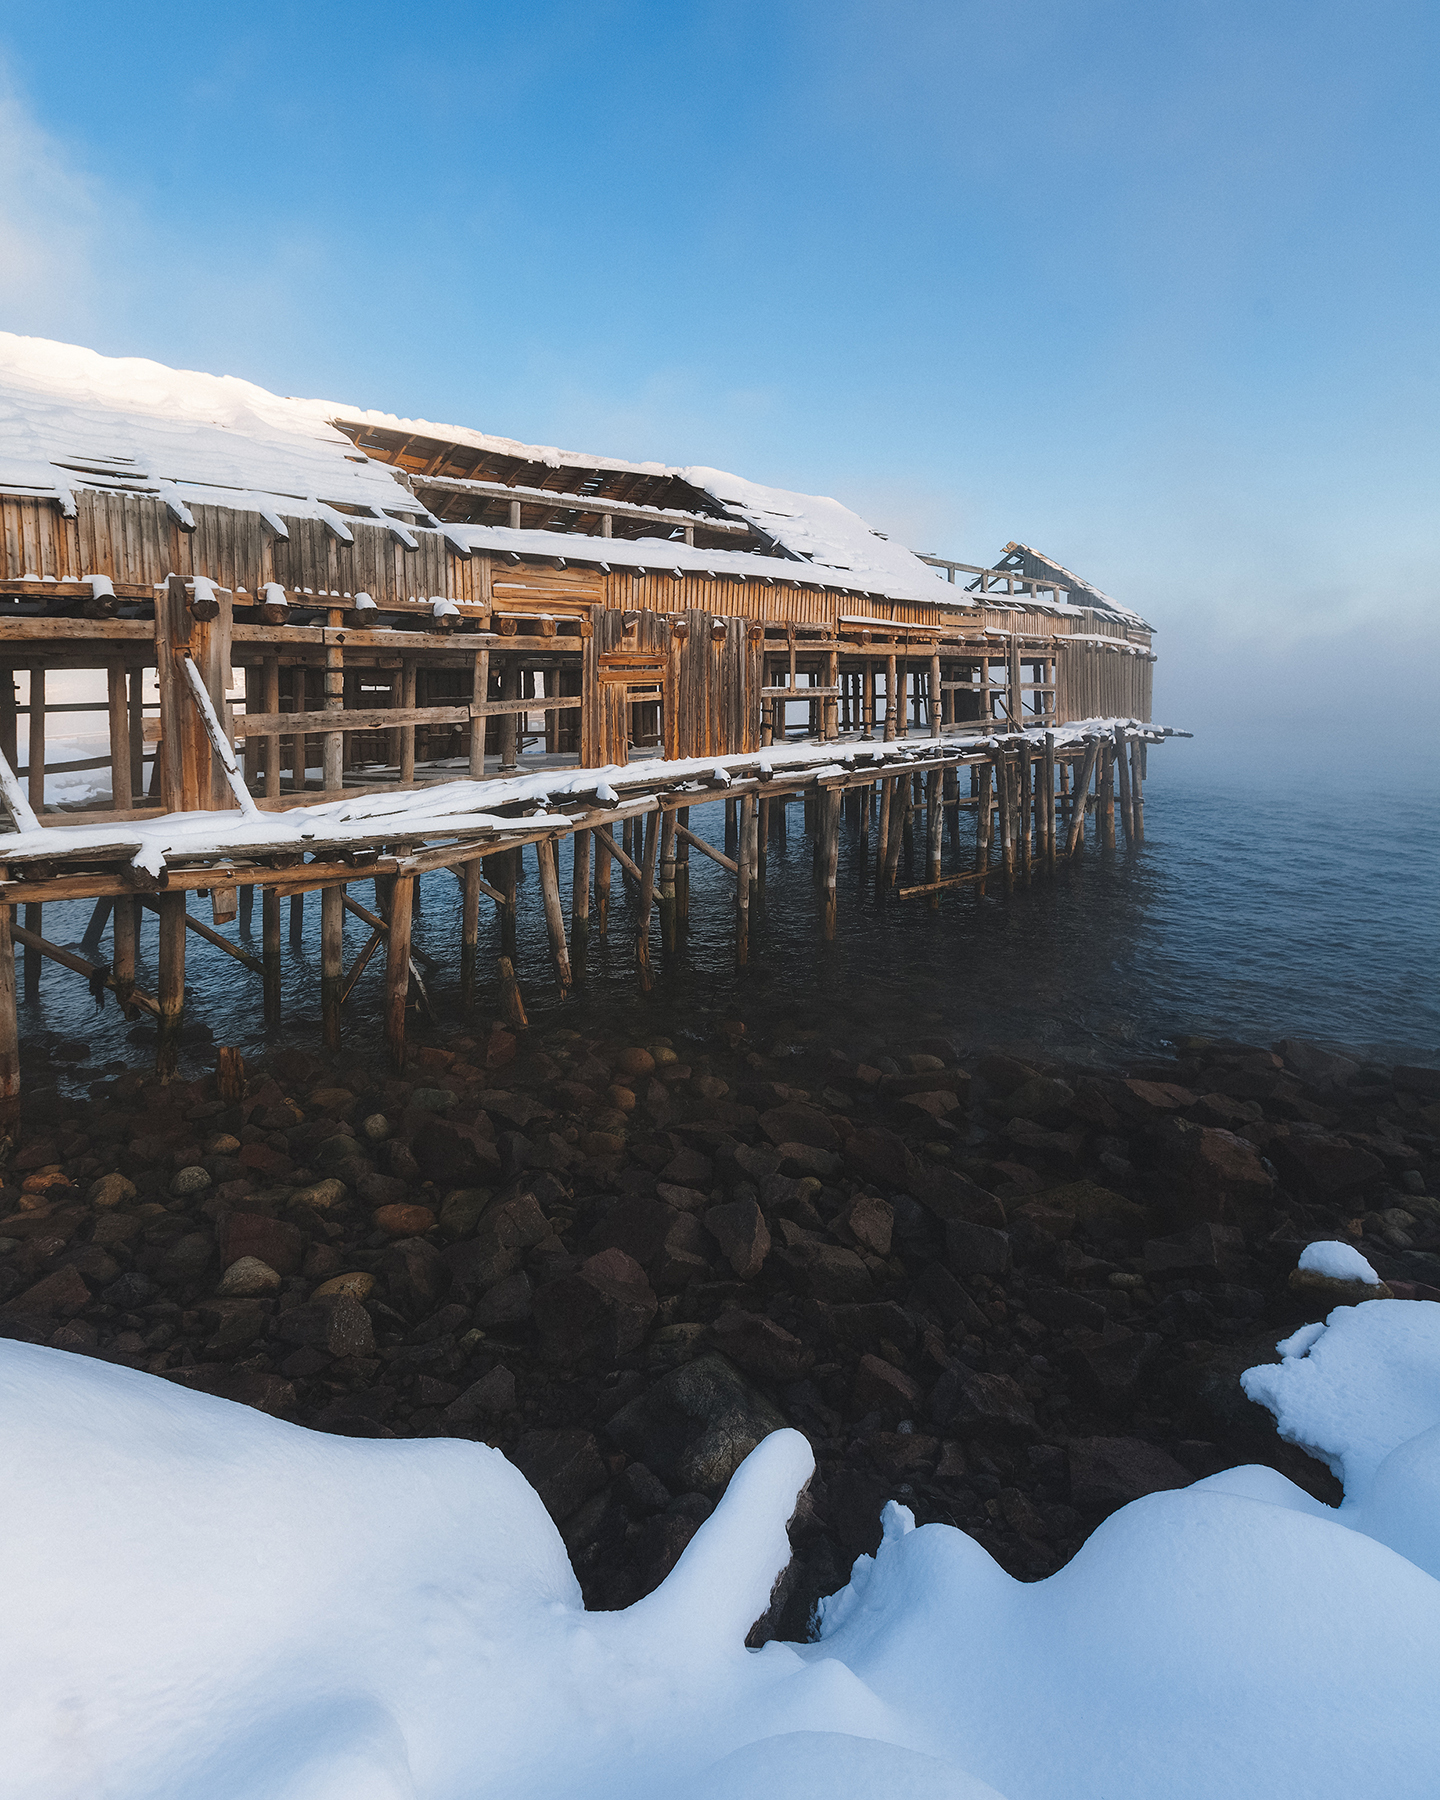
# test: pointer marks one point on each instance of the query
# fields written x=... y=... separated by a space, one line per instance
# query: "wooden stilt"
x=882 y=828
x=1106 y=797
x=831 y=859
x=935 y=825
x=408 y=679
x=34 y=962
x=895 y=831
x=512 y=1007
x=682 y=870
x=469 y=924
x=171 y=990
x=1077 y=798
x=762 y=842
x=270 y=703
x=397 y=968
x=509 y=861
x=604 y=842
x=332 y=970
x=479 y=697
x=1122 y=765
x=270 y=955
x=1048 y=777
x=1025 y=773
x=36 y=750
x=730 y=827
x=1007 y=821
x=229 y=1075
x=9 y=1034
x=95 y=930
x=554 y=916
x=645 y=901
x=1137 y=787
x=579 y=906
x=867 y=703
x=667 y=879
x=889 y=699
x=120 y=782
x=742 y=887
x=984 y=818
x=297 y=921
x=124 y=922
x=247 y=906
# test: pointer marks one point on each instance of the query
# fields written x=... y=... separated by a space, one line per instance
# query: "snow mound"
x=202 y=1603
x=1342 y=1262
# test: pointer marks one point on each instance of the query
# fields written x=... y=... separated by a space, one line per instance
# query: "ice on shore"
x=202 y=1603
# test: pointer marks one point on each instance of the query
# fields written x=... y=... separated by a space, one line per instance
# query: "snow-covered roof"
x=70 y=417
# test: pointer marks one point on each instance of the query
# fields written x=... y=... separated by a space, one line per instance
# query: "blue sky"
x=1151 y=286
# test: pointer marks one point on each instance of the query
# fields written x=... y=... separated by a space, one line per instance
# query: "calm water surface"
x=1252 y=914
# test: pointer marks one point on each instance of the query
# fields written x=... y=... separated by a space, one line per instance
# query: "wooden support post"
x=731 y=828
x=554 y=914
x=297 y=921
x=1122 y=765
x=742 y=882
x=935 y=708
x=895 y=833
x=512 y=1007
x=579 y=905
x=1077 y=798
x=984 y=817
x=830 y=860
x=9 y=1026
x=508 y=883
x=171 y=991
x=479 y=696
x=1007 y=827
x=1015 y=699
x=867 y=703
x=469 y=927
x=247 y=907
x=830 y=708
x=935 y=822
x=1106 y=797
x=229 y=1075
x=9 y=717
x=882 y=828
x=270 y=703
x=270 y=954
x=332 y=760
x=120 y=785
x=1025 y=773
x=604 y=843
x=667 y=880
x=408 y=677
x=124 y=923
x=1137 y=786
x=762 y=842
x=332 y=966
x=36 y=752
x=1048 y=816
x=298 y=758
x=645 y=901
x=682 y=870
x=397 y=968
x=889 y=699
x=509 y=721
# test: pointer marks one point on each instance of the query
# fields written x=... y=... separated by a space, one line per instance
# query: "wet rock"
x=1326 y=1291
x=1214 y=1171
x=232 y=1325
x=602 y=1310
x=272 y=1241
x=1109 y=1472
x=965 y=1403
x=740 y=1230
x=635 y=1062
x=1041 y=1099
x=321 y=1196
x=376 y=1128
x=878 y=1158
x=939 y=1289
x=189 y=1259
x=189 y=1181
x=696 y=1425
x=376 y=1189
x=110 y=1190
x=760 y=1347
x=798 y=1123
x=1205 y=1249
x=249 y=1277
x=1318 y=1067
x=563 y=1466
x=1107 y=1366
x=359 y=1284
x=130 y=1291
x=867 y=1221
x=950 y=1195
x=348 y=1329
x=60 y=1295
x=870 y=1324
x=824 y=1271
x=1327 y=1167
x=405 y=1221
x=491 y=1397
x=416 y=1276
x=507 y=1304
x=505 y=1232
x=976 y=1249
x=880 y=1387
x=453 y=1154
x=1061 y=1309
x=462 y=1211
x=667 y=1243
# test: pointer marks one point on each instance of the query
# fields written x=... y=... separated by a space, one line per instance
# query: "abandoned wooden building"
x=296 y=614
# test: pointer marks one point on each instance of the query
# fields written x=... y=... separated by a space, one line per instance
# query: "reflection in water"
x=1256 y=921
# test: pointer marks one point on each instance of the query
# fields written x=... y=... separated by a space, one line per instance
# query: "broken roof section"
x=70 y=418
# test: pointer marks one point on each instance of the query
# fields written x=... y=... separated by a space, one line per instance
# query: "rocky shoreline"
x=1012 y=1294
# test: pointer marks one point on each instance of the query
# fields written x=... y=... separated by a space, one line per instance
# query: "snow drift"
x=202 y=1601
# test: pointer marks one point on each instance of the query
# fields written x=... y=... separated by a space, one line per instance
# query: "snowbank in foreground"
x=202 y=1603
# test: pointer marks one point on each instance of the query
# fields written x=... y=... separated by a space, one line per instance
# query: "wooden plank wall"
x=1095 y=683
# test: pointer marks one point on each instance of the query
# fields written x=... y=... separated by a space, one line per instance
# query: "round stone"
x=635 y=1061
x=248 y=1276
x=111 y=1190
x=404 y=1220
x=376 y=1128
x=193 y=1180
x=357 y=1285
x=224 y=1145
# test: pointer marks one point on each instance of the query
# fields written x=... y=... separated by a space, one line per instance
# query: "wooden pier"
x=491 y=650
